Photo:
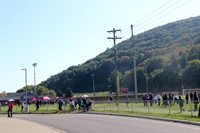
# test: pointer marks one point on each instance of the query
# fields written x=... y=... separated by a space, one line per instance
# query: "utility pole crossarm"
x=114 y=38
x=114 y=30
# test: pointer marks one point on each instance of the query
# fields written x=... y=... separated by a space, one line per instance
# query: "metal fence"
x=145 y=106
x=130 y=105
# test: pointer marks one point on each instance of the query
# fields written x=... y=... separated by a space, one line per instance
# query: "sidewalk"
x=14 y=125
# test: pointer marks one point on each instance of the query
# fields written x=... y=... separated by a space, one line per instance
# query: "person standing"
x=150 y=99
x=181 y=102
x=10 y=108
x=60 y=103
x=191 y=96
x=37 y=105
x=195 y=100
x=22 y=106
x=158 y=98
x=84 y=105
x=187 y=98
x=127 y=101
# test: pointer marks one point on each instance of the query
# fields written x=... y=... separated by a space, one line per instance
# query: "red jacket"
x=10 y=105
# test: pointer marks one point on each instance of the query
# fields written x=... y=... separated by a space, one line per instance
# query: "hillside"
x=171 y=54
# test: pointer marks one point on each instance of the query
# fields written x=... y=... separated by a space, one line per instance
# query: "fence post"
x=104 y=105
x=93 y=105
x=117 y=104
x=132 y=105
x=169 y=109
x=191 y=108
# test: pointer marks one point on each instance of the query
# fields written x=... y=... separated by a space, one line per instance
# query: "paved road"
x=90 y=123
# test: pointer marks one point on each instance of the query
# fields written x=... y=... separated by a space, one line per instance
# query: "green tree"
x=30 y=88
x=191 y=74
x=3 y=94
x=52 y=93
x=111 y=80
x=68 y=92
x=42 y=91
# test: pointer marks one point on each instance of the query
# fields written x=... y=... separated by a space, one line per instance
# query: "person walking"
x=37 y=105
x=10 y=108
x=181 y=102
x=84 y=104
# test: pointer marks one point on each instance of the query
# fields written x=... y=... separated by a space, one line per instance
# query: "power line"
x=149 y=15
x=163 y=15
x=155 y=15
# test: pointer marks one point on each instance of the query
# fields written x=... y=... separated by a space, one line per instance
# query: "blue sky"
x=57 y=34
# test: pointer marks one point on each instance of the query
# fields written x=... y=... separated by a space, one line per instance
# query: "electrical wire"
x=155 y=16
x=172 y=10
x=151 y=13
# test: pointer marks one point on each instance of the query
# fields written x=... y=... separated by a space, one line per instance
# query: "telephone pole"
x=114 y=38
x=135 y=69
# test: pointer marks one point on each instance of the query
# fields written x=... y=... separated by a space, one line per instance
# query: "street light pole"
x=147 y=85
x=34 y=65
x=26 y=108
x=93 y=84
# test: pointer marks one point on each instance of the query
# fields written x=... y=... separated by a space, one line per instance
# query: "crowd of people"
x=76 y=103
x=171 y=99
x=85 y=103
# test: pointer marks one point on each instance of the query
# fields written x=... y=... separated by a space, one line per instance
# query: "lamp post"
x=26 y=108
x=34 y=65
x=147 y=85
x=93 y=84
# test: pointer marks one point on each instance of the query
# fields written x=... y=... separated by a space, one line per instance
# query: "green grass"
x=157 y=115
x=45 y=109
x=135 y=109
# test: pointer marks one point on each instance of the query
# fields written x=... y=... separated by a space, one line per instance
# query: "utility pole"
x=114 y=38
x=135 y=69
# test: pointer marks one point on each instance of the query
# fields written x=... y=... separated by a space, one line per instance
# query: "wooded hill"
x=170 y=54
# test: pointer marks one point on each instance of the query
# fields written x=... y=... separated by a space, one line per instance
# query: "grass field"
x=44 y=109
x=133 y=108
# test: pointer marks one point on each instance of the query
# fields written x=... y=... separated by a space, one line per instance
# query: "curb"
x=151 y=118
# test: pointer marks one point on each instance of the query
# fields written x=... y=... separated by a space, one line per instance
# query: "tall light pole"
x=34 y=65
x=147 y=85
x=26 y=108
x=93 y=84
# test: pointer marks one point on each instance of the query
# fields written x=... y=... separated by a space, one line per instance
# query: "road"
x=91 y=123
